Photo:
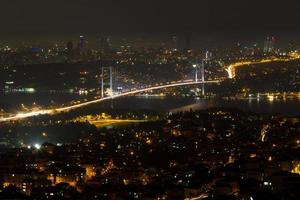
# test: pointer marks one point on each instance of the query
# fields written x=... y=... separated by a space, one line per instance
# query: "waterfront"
x=289 y=107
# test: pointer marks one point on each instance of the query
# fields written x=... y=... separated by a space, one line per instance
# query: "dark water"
x=290 y=107
x=11 y=102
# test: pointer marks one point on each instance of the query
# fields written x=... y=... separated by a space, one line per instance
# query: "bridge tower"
x=106 y=81
x=204 y=61
x=196 y=72
x=203 y=77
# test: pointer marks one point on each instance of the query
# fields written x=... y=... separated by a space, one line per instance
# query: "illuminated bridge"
x=231 y=70
x=127 y=93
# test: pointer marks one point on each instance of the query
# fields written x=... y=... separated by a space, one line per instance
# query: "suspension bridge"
x=231 y=70
x=20 y=116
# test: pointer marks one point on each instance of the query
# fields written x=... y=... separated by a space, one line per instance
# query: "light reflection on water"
x=290 y=107
x=266 y=106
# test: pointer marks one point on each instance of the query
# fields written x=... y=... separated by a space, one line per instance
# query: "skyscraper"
x=105 y=45
x=81 y=42
x=269 y=44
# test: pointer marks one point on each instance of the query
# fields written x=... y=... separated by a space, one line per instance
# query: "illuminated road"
x=68 y=108
x=231 y=69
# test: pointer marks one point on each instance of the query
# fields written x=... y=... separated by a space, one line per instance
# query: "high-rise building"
x=81 y=42
x=269 y=45
x=105 y=45
x=82 y=50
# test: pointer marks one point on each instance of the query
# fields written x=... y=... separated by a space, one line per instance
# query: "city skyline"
x=149 y=100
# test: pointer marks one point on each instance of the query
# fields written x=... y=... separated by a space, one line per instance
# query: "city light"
x=187 y=100
x=37 y=146
x=68 y=108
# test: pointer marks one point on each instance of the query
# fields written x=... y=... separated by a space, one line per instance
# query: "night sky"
x=38 y=17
